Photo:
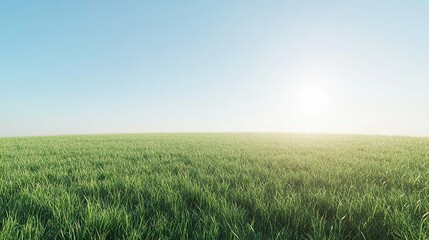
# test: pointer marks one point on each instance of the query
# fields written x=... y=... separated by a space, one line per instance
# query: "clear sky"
x=76 y=67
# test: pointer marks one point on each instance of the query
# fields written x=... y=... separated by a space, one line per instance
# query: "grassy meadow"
x=214 y=186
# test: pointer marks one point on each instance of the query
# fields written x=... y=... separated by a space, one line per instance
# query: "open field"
x=214 y=186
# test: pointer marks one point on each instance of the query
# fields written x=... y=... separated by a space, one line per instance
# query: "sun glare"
x=312 y=100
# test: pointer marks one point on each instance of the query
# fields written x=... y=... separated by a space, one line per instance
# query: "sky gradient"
x=78 y=67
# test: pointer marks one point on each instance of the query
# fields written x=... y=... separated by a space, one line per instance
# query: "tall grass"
x=214 y=186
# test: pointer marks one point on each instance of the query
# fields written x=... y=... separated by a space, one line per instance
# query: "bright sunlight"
x=313 y=100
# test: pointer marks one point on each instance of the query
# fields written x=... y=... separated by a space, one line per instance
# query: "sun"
x=312 y=100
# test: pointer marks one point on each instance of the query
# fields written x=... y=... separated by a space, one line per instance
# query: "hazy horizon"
x=244 y=66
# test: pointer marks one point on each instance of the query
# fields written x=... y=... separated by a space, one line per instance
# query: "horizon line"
x=218 y=132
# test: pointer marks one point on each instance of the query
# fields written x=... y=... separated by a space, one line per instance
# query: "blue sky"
x=76 y=67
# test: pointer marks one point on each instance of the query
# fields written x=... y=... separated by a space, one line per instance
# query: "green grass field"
x=214 y=186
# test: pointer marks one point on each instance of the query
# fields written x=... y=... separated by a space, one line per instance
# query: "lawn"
x=214 y=186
